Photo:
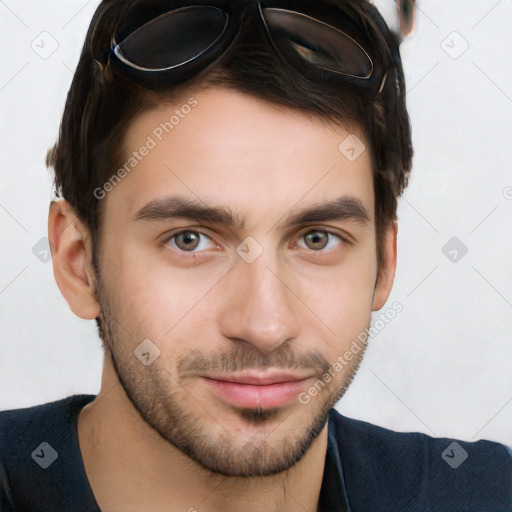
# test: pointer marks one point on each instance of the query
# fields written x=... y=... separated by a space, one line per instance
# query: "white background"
x=443 y=365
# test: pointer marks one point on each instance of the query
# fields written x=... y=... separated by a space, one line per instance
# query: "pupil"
x=186 y=238
x=317 y=238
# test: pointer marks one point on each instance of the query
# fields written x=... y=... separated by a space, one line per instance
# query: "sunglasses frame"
x=235 y=12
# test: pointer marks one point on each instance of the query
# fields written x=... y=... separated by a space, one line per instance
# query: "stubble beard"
x=168 y=409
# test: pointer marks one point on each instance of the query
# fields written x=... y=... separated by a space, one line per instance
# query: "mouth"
x=268 y=389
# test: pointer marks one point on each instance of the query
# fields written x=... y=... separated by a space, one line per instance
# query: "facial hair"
x=164 y=403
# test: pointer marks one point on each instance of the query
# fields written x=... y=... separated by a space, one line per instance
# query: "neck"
x=130 y=467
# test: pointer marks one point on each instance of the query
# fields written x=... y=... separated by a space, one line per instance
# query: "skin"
x=157 y=437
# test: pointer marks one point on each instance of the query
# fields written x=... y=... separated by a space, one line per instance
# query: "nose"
x=260 y=306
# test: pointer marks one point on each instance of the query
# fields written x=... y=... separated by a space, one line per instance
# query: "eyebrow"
x=341 y=208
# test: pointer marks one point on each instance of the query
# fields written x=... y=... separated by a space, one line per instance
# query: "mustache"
x=242 y=357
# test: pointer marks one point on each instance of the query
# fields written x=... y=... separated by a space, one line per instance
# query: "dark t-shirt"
x=367 y=468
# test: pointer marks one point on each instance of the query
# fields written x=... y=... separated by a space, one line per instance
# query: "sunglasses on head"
x=169 y=46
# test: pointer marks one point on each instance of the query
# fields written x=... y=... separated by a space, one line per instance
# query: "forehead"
x=222 y=146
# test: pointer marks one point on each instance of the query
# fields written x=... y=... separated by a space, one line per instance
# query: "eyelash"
x=194 y=254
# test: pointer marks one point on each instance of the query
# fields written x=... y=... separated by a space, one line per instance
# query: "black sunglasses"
x=169 y=46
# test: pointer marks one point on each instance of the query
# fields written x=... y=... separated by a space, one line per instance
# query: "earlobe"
x=71 y=247
x=386 y=274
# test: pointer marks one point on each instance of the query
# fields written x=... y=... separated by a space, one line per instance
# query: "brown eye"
x=316 y=240
x=187 y=240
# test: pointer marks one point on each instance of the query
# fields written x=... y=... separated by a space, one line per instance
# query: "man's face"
x=285 y=303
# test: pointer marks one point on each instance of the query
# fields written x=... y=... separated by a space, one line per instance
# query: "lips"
x=268 y=389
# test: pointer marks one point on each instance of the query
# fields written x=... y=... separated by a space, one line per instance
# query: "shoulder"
x=39 y=451
x=64 y=406
x=414 y=471
x=20 y=426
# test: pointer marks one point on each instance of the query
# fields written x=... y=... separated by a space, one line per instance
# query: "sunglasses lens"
x=173 y=38
x=317 y=43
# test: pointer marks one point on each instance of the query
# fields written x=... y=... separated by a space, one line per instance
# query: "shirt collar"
x=333 y=494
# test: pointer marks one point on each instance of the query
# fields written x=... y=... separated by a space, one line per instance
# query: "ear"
x=386 y=274
x=71 y=248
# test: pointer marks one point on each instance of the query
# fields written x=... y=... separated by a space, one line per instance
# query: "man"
x=229 y=174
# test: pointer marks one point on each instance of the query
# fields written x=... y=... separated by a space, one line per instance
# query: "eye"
x=189 y=241
x=318 y=240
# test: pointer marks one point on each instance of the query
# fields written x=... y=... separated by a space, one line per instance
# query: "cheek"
x=344 y=306
x=336 y=298
x=342 y=294
x=156 y=300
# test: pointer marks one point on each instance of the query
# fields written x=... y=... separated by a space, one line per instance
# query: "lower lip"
x=251 y=396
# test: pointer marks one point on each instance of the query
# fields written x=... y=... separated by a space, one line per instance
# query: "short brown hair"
x=101 y=103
